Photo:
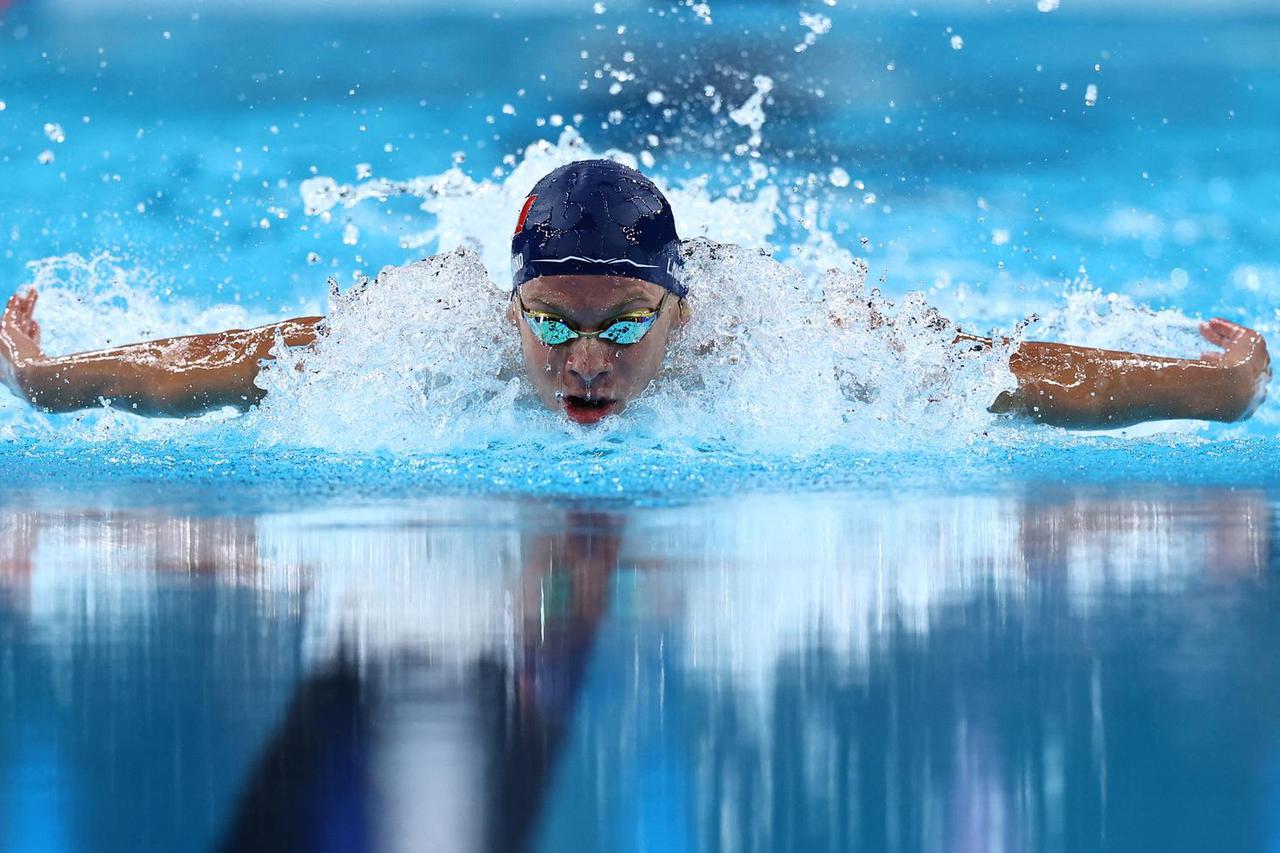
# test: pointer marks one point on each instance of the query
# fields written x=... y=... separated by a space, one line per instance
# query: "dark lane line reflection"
x=503 y=723
x=1068 y=670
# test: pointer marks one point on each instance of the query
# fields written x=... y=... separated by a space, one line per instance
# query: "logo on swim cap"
x=597 y=217
x=524 y=212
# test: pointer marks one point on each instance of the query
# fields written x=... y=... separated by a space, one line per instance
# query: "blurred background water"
x=1020 y=640
x=1061 y=668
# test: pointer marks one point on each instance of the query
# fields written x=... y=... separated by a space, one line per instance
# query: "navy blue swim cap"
x=597 y=217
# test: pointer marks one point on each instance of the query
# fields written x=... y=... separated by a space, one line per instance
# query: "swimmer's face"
x=589 y=378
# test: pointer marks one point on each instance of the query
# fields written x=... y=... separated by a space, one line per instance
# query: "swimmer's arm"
x=1085 y=388
x=173 y=377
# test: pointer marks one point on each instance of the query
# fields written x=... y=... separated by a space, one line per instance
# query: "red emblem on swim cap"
x=524 y=212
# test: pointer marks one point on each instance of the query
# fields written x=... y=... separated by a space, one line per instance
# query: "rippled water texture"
x=1050 y=668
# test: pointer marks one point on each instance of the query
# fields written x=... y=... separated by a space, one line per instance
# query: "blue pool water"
x=188 y=140
x=751 y=616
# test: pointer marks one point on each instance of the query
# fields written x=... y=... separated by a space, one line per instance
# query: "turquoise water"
x=751 y=616
x=998 y=192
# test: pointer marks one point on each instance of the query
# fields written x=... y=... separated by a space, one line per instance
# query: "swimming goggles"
x=624 y=330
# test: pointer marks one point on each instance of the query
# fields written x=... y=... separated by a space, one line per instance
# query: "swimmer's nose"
x=588 y=360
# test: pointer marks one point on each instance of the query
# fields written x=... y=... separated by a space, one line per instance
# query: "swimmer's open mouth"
x=587 y=410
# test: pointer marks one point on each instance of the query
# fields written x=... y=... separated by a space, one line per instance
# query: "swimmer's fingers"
x=1229 y=328
x=1214 y=333
x=19 y=315
x=31 y=327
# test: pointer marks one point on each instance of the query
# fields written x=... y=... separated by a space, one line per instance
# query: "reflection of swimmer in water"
x=597 y=291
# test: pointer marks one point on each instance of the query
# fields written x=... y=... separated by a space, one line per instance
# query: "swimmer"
x=596 y=294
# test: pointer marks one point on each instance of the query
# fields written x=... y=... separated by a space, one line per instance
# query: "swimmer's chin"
x=585 y=411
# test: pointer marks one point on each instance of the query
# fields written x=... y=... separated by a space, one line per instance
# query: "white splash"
x=781 y=356
x=751 y=114
x=773 y=360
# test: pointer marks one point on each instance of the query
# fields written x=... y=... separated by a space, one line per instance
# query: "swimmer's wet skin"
x=597 y=291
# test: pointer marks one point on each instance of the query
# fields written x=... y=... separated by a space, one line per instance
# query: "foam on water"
x=778 y=356
x=790 y=350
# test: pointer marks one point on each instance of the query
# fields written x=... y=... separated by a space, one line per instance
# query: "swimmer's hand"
x=1245 y=366
x=20 y=351
x=1087 y=388
x=173 y=377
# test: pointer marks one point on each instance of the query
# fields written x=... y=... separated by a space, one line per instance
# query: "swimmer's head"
x=597 y=217
x=597 y=286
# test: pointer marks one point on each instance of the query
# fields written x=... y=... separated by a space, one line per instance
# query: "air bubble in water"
x=598 y=8
x=350 y=234
x=363 y=170
x=957 y=42
x=313 y=258
x=3 y=106
x=869 y=198
x=54 y=132
x=655 y=97
x=1090 y=95
x=839 y=177
x=1046 y=5
x=44 y=158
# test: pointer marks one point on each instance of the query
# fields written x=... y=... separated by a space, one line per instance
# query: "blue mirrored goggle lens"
x=549 y=330
x=628 y=331
x=553 y=331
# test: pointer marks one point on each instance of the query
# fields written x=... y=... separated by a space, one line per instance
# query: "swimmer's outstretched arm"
x=174 y=377
x=1085 y=388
